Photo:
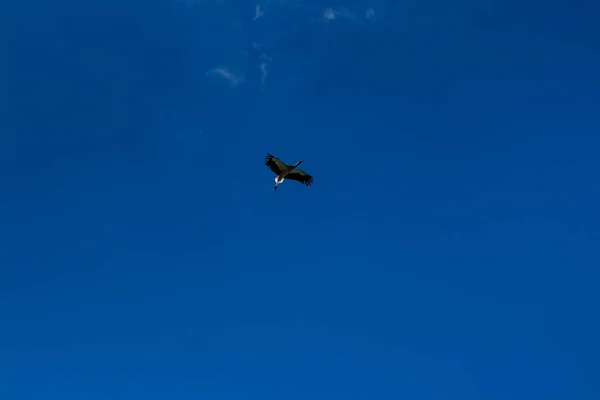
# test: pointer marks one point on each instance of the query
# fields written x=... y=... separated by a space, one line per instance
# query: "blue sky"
x=448 y=248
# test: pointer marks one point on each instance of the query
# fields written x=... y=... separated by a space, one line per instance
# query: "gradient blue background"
x=448 y=249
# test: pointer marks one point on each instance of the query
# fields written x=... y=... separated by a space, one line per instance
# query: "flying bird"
x=284 y=171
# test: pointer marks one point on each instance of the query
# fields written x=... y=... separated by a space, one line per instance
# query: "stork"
x=284 y=170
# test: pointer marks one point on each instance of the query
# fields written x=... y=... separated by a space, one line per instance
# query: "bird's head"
x=298 y=163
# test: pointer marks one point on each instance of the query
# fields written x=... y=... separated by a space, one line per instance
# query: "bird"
x=284 y=171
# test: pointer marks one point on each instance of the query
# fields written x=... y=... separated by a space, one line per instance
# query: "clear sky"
x=449 y=247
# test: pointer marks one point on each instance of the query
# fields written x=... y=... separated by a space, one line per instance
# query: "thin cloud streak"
x=343 y=13
x=264 y=72
x=256 y=71
x=233 y=79
x=259 y=13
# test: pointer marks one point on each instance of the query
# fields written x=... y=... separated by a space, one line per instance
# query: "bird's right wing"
x=300 y=176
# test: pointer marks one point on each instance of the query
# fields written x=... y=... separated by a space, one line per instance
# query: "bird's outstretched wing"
x=274 y=163
x=300 y=176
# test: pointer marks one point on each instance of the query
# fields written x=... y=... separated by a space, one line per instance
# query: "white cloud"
x=264 y=72
x=329 y=14
x=233 y=79
x=259 y=13
x=342 y=13
x=253 y=71
x=264 y=68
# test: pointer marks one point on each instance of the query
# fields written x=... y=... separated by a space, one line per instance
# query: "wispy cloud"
x=250 y=65
x=224 y=73
x=329 y=14
x=263 y=67
x=259 y=12
x=264 y=72
x=343 y=13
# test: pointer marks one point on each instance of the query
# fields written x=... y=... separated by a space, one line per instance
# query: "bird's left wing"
x=274 y=163
x=300 y=176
